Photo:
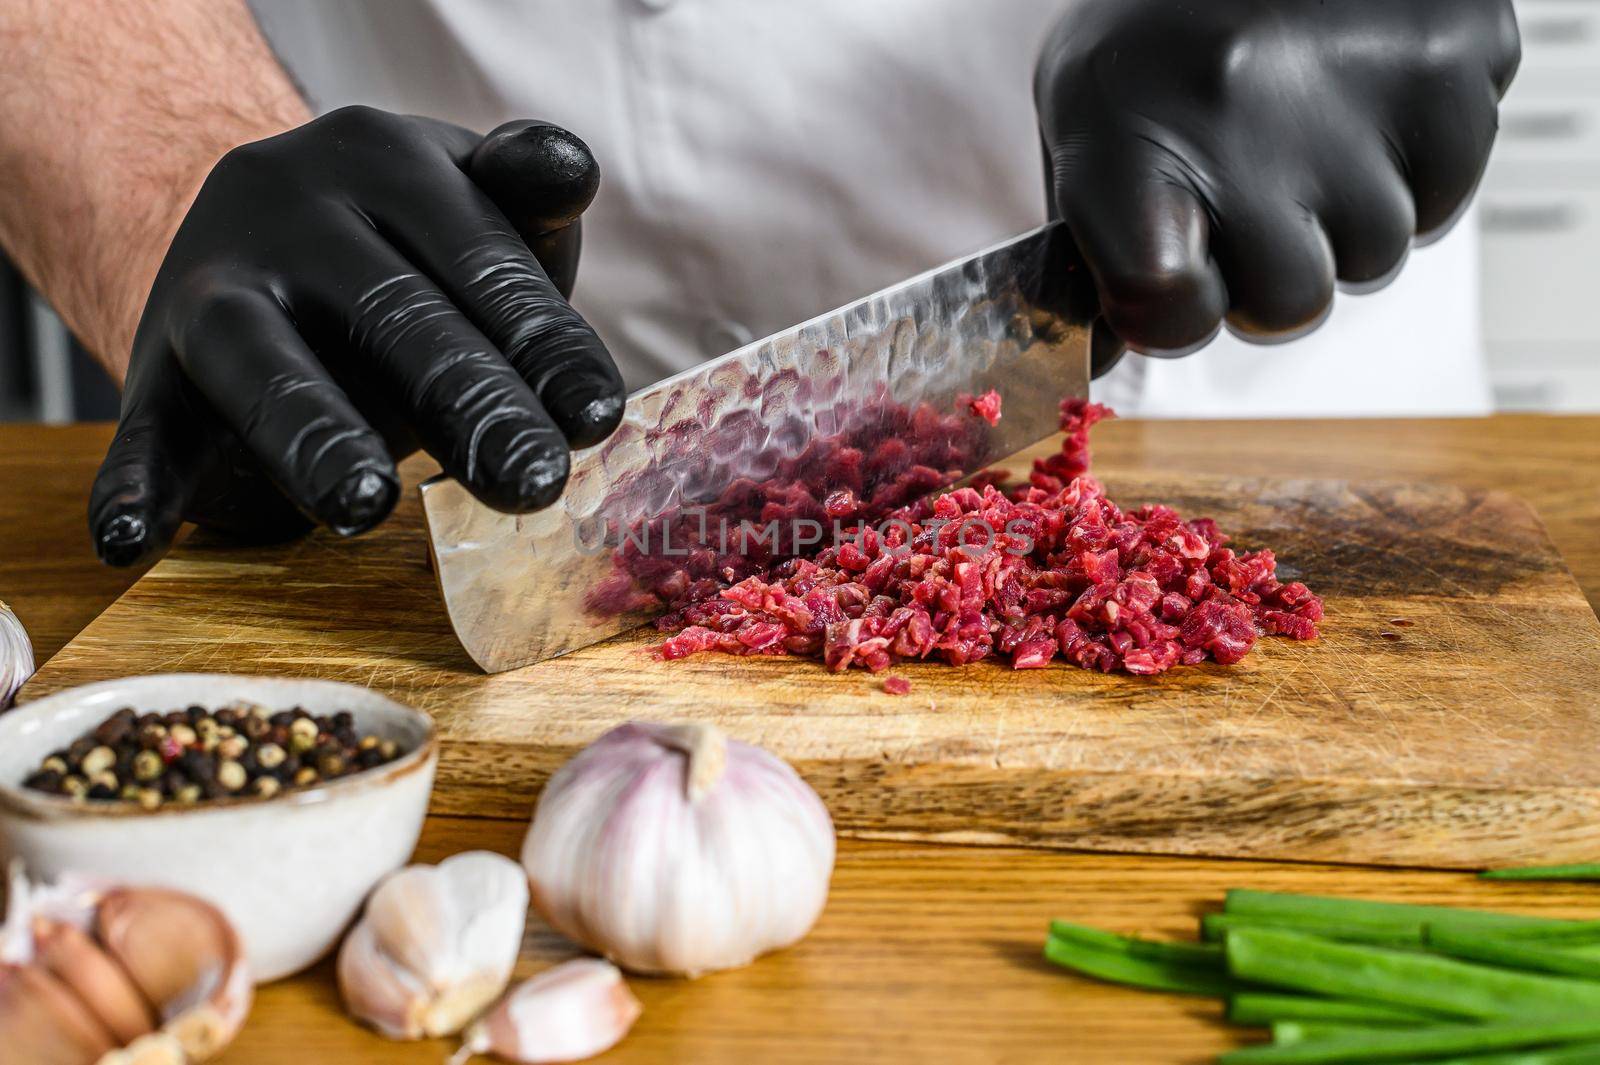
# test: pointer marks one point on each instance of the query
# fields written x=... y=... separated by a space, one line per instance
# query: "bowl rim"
x=38 y=806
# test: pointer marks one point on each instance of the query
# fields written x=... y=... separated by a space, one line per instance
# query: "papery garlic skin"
x=42 y=1022
x=69 y=954
x=16 y=655
x=672 y=850
x=571 y=1012
x=86 y=974
x=435 y=945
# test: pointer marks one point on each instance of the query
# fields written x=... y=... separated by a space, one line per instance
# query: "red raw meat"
x=986 y=406
x=896 y=685
x=1052 y=568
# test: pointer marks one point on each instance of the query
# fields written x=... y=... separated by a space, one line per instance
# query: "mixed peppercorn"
x=195 y=754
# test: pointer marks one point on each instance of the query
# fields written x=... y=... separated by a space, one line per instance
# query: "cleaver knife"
x=770 y=449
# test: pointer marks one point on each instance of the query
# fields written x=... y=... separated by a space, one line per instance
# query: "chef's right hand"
x=338 y=296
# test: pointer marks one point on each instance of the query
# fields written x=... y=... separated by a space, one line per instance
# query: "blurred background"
x=1539 y=246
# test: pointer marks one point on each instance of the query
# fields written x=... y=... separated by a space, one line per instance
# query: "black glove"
x=341 y=294
x=1232 y=158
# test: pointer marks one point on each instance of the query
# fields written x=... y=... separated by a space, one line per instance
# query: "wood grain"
x=48 y=572
x=925 y=952
x=1329 y=750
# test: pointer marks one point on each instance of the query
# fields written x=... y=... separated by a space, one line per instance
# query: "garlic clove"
x=68 y=953
x=414 y=918
x=435 y=946
x=16 y=655
x=490 y=892
x=377 y=989
x=43 y=1023
x=574 y=1011
x=185 y=957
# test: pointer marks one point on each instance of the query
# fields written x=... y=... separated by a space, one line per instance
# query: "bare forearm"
x=115 y=111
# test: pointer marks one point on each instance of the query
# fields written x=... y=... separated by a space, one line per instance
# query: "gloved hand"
x=1234 y=158
x=341 y=294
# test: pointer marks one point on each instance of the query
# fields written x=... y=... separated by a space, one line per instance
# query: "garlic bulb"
x=670 y=849
x=435 y=945
x=574 y=1011
x=118 y=976
x=16 y=655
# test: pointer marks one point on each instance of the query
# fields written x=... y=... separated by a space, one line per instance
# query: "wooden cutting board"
x=1449 y=716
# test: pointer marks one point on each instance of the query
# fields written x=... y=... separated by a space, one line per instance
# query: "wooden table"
x=924 y=952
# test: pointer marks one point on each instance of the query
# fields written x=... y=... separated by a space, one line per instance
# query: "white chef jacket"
x=766 y=161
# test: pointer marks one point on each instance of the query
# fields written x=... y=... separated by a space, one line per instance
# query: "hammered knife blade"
x=853 y=412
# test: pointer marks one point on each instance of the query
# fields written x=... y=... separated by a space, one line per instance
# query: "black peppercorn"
x=43 y=780
x=116 y=728
x=198 y=766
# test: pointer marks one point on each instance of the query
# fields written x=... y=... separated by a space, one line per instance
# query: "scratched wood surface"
x=1447 y=716
x=924 y=952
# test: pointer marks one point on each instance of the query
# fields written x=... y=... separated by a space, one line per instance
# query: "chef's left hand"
x=1233 y=159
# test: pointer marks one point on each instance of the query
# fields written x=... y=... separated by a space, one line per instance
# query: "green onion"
x=1129 y=964
x=1264 y=1007
x=1415 y=1043
x=1363 y=911
x=1286 y=1032
x=1215 y=926
x=1346 y=970
x=1497 y=950
x=1571 y=1054
x=1581 y=934
x=1580 y=871
x=1152 y=949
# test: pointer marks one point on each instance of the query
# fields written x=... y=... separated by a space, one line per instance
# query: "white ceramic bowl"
x=290 y=871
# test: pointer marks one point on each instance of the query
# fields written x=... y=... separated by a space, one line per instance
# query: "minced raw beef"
x=1051 y=568
x=986 y=406
x=886 y=457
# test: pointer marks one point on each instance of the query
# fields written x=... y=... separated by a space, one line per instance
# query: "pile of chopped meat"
x=1046 y=569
